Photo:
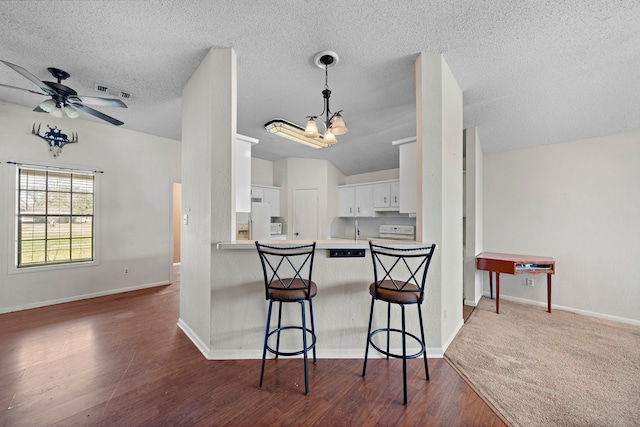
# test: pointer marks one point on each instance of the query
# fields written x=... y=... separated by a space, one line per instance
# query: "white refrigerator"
x=260 y=221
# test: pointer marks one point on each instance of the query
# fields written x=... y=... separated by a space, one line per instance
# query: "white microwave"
x=276 y=228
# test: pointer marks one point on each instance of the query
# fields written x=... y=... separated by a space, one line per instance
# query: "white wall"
x=578 y=202
x=133 y=208
x=261 y=172
x=382 y=175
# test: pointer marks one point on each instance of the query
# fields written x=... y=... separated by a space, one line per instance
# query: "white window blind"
x=55 y=217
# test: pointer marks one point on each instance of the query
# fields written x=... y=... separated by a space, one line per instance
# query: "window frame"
x=14 y=207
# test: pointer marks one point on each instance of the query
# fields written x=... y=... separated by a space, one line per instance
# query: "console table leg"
x=497 y=292
x=549 y=293
x=491 y=285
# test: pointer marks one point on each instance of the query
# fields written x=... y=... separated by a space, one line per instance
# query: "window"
x=55 y=217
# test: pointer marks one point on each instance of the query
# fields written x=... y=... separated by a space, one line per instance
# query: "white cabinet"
x=394 y=196
x=364 y=201
x=408 y=174
x=386 y=196
x=381 y=195
x=270 y=195
x=346 y=201
x=355 y=201
x=257 y=193
x=243 y=146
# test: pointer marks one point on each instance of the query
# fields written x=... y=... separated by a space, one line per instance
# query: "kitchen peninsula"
x=341 y=308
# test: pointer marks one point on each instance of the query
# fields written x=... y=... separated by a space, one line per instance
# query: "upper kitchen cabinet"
x=395 y=194
x=408 y=175
x=355 y=201
x=270 y=195
x=386 y=196
x=243 y=146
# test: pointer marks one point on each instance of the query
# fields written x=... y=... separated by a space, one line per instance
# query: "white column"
x=473 y=217
x=439 y=193
x=208 y=185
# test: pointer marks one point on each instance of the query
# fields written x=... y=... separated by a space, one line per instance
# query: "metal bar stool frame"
x=297 y=288
x=410 y=291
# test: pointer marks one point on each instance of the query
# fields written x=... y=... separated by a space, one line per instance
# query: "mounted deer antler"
x=55 y=138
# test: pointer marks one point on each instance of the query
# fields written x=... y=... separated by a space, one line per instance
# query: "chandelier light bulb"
x=329 y=138
x=338 y=127
x=311 y=131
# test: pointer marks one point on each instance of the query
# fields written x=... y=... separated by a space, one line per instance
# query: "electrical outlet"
x=125 y=271
x=530 y=281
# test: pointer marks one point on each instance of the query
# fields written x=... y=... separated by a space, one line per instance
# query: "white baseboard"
x=195 y=339
x=80 y=297
x=569 y=309
x=473 y=303
x=451 y=337
x=432 y=353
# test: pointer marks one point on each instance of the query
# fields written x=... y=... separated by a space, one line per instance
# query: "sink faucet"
x=357 y=230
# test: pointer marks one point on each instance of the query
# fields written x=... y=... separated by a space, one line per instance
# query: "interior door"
x=305 y=214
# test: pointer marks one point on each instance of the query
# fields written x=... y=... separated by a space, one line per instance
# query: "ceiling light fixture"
x=55 y=109
x=333 y=122
x=293 y=132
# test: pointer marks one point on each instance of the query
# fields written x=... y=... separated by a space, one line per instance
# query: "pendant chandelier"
x=333 y=122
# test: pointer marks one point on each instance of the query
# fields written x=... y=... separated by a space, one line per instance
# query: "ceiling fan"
x=63 y=98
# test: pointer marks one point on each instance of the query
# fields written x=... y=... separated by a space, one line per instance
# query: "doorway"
x=305 y=214
x=177 y=221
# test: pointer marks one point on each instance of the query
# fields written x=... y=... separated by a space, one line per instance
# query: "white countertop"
x=320 y=244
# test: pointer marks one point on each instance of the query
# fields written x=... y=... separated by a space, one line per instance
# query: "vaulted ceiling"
x=531 y=72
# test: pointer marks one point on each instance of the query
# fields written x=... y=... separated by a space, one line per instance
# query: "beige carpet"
x=550 y=369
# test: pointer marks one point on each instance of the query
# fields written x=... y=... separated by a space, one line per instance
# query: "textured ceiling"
x=532 y=72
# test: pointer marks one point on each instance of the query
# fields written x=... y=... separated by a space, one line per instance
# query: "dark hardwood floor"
x=121 y=360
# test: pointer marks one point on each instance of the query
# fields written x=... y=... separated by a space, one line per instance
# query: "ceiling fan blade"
x=96 y=113
x=21 y=88
x=101 y=102
x=36 y=81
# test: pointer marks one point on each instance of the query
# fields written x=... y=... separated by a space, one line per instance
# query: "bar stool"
x=287 y=278
x=399 y=278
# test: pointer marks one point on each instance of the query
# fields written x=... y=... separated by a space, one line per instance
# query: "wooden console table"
x=514 y=264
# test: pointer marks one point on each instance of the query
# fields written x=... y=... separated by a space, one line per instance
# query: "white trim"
x=81 y=297
x=256 y=354
x=195 y=339
x=569 y=309
x=452 y=337
x=473 y=303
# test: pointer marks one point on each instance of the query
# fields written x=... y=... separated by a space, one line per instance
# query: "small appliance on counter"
x=397 y=232
x=276 y=228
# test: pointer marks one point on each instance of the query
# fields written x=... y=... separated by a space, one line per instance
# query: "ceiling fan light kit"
x=63 y=98
x=333 y=122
